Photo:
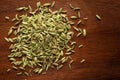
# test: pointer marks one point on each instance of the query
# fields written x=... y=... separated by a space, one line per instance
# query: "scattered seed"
x=79 y=14
x=70 y=67
x=76 y=8
x=82 y=61
x=73 y=43
x=71 y=6
x=29 y=8
x=71 y=23
x=6 y=39
x=8 y=70
x=16 y=16
x=22 y=68
x=64 y=11
x=79 y=34
x=75 y=28
x=7 y=18
x=22 y=8
x=47 y=4
x=26 y=73
x=10 y=31
x=59 y=67
x=38 y=4
x=79 y=22
x=53 y=4
x=40 y=71
x=14 y=19
x=20 y=73
x=98 y=17
x=80 y=46
x=44 y=73
x=73 y=17
x=14 y=67
x=85 y=18
x=84 y=32
x=68 y=53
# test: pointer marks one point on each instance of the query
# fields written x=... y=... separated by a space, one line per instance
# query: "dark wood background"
x=101 y=46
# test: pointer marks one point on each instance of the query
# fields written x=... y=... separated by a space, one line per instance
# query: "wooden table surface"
x=101 y=46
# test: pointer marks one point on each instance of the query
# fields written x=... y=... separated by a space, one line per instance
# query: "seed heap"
x=41 y=37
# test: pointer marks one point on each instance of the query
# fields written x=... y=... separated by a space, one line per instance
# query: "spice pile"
x=41 y=39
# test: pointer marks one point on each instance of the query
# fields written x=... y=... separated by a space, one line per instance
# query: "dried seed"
x=10 y=31
x=50 y=11
x=14 y=67
x=70 y=64
x=26 y=73
x=73 y=17
x=71 y=6
x=64 y=11
x=76 y=8
x=75 y=28
x=22 y=8
x=85 y=18
x=40 y=70
x=22 y=68
x=55 y=64
x=6 y=39
x=68 y=53
x=17 y=23
x=73 y=43
x=79 y=34
x=44 y=73
x=12 y=59
x=79 y=22
x=14 y=19
x=8 y=70
x=47 y=4
x=55 y=12
x=30 y=8
x=20 y=73
x=69 y=57
x=60 y=10
x=36 y=70
x=66 y=58
x=71 y=23
x=98 y=17
x=84 y=32
x=16 y=16
x=7 y=18
x=38 y=4
x=59 y=67
x=53 y=4
x=82 y=61
x=79 y=14
x=11 y=46
x=80 y=46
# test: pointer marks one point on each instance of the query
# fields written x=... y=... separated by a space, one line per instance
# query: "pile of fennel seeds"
x=41 y=39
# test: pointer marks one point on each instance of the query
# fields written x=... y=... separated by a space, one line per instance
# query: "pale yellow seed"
x=82 y=61
x=53 y=4
x=80 y=46
x=7 y=18
x=79 y=22
x=8 y=70
x=98 y=17
x=84 y=32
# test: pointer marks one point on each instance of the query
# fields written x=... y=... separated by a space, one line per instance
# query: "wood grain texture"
x=101 y=46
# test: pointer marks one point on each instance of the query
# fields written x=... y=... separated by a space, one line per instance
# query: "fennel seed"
x=98 y=17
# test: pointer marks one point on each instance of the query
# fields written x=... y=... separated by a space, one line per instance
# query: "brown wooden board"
x=101 y=46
